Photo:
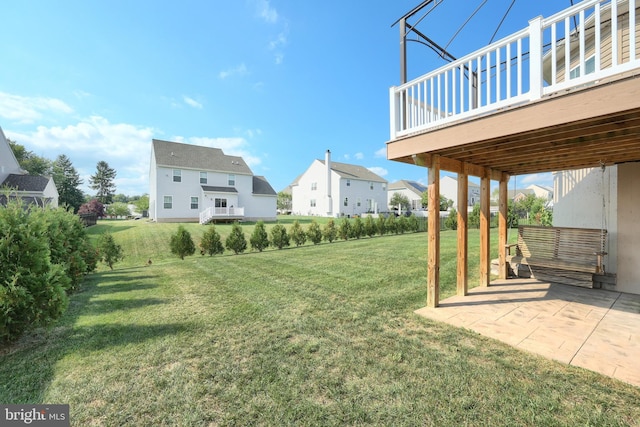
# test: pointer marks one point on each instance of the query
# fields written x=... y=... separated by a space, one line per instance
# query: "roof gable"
x=189 y=156
x=262 y=187
x=29 y=183
x=354 y=172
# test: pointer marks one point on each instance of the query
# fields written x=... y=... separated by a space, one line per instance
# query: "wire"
x=502 y=21
x=465 y=23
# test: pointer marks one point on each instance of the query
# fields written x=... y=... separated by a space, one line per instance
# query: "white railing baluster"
x=632 y=30
x=567 y=49
x=508 y=59
x=519 y=73
x=581 y=30
x=614 y=33
x=554 y=55
x=597 y=40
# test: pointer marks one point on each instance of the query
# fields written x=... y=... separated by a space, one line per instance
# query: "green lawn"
x=316 y=335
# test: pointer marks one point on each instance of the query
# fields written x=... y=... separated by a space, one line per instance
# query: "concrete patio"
x=591 y=328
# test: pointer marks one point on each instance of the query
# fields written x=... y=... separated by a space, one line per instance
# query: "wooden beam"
x=455 y=166
x=485 y=223
x=503 y=206
x=433 y=258
x=463 y=241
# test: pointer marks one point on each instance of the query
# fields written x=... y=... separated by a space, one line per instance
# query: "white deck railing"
x=522 y=67
x=227 y=212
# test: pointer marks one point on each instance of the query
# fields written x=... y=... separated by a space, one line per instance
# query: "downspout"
x=327 y=163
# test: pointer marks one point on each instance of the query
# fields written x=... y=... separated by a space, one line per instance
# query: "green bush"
x=259 y=238
x=357 y=228
x=381 y=225
x=298 y=235
x=414 y=225
x=369 y=226
x=314 y=232
x=391 y=224
x=402 y=225
x=181 y=243
x=279 y=236
x=211 y=242
x=474 y=217
x=32 y=289
x=69 y=244
x=110 y=252
x=344 y=230
x=236 y=241
x=330 y=232
x=451 y=221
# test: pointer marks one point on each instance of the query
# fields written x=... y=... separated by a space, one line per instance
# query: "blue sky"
x=277 y=82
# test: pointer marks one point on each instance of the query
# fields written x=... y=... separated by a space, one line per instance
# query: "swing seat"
x=559 y=254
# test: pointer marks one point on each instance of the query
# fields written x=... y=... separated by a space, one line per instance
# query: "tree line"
x=68 y=183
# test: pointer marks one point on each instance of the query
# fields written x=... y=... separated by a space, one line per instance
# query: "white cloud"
x=125 y=147
x=536 y=178
x=240 y=70
x=359 y=156
x=23 y=109
x=379 y=170
x=191 y=102
x=266 y=12
x=381 y=153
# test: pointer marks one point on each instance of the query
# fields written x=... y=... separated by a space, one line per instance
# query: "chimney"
x=327 y=163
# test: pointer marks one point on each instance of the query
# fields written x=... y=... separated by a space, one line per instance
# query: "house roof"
x=414 y=186
x=354 y=172
x=261 y=186
x=189 y=156
x=26 y=182
x=215 y=189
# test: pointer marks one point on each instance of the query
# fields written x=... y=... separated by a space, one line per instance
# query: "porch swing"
x=567 y=255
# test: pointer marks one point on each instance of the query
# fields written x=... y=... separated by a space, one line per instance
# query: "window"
x=177 y=175
x=370 y=185
x=313 y=203
x=589 y=66
x=346 y=201
x=232 y=179
x=221 y=203
x=194 y=203
x=314 y=186
x=348 y=183
x=384 y=187
x=168 y=202
x=358 y=201
x=203 y=177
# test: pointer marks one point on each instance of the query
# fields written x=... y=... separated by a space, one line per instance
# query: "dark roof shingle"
x=188 y=156
x=26 y=182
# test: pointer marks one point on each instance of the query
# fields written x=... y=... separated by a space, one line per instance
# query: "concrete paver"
x=592 y=328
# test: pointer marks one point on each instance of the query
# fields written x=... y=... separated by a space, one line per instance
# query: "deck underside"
x=585 y=127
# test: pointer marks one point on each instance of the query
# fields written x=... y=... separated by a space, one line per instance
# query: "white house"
x=335 y=189
x=190 y=183
x=412 y=190
x=39 y=190
x=449 y=189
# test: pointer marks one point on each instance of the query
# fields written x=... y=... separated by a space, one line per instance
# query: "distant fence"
x=89 y=219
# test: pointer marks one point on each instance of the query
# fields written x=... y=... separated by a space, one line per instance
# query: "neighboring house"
x=542 y=191
x=333 y=189
x=411 y=189
x=449 y=189
x=37 y=190
x=192 y=183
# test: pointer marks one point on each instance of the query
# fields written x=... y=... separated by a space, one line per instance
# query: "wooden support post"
x=433 y=258
x=485 y=223
x=463 y=241
x=503 y=206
